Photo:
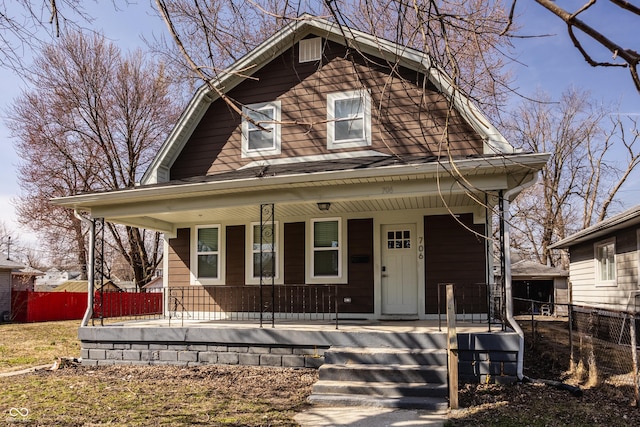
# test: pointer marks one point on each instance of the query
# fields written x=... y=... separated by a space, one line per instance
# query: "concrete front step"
x=385 y=356
x=386 y=377
x=380 y=389
x=384 y=373
x=426 y=403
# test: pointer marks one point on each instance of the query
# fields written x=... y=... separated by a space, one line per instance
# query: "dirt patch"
x=547 y=356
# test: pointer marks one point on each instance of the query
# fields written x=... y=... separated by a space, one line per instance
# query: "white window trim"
x=313 y=249
x=596 y=246
x=276 y=149
x=332 y=144
x=195 y=279
x=250 y=279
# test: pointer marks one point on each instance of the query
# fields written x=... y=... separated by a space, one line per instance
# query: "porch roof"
x=351 y=184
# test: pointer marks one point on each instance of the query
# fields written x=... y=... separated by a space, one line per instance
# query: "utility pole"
x=9 y=249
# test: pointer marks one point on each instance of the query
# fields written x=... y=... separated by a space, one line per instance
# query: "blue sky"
x=549 y=63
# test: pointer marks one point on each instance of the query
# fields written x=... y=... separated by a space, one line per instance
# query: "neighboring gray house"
x=6 y=266
x=604 y=263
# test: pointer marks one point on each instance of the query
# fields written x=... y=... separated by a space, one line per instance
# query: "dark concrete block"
x=238 y=349
x=130 y=354
x=157 y=346
x=198 y=347
x=139 y=346
x=313 y=362
x=228 y=358
x=97 y=354
x=121 y=346
x=249 y=359
x=168 y=355
x=177 y=347
x=281 y=350
x=310 y=351
x=149 y=355
x=271 y=359
x=290 y=361
x=188 y=356
x=113 y=354
x=208 y=357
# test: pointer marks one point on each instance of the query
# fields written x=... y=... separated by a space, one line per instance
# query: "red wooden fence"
x=29 y=306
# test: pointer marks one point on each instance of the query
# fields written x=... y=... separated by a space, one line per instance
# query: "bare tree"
x=93 y=121
x=581 y=180
x=629 y=56
x=26 y=24
x=464 y=38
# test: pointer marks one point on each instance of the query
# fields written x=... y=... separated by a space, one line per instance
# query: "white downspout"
x=89 y=312
x=508 y=291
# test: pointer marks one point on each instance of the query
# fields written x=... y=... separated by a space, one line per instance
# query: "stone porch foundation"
x=483 y=356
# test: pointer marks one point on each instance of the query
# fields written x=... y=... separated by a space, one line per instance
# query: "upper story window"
x=349 y=119
x=261 y=129
x=605 y=256
x=208 y=252
x=326 y=248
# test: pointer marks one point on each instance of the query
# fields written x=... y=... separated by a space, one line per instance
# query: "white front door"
x=399 y=270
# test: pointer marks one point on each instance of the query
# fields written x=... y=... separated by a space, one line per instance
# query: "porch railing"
x=475 y=303
x=245 y=303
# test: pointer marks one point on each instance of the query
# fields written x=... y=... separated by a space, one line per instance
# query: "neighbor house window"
x=326 y=248
x=208 y=252
x=605 y=255
x=261 y=129
x=264 y=247
x=349 y=119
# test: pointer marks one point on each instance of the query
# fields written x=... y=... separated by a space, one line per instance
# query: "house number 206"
x=420 y=247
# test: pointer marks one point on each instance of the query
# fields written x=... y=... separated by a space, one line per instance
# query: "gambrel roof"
x=199 y=172
x=158 y=171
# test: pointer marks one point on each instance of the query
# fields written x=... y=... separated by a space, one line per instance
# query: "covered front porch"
x=486 y=352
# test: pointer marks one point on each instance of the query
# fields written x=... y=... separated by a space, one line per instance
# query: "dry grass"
x=23 y=345
x=159 y=395
x=137 y=396
x=602 y=403
x=254 y=396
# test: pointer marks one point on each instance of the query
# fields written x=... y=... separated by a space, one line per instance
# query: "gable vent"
x=310 y=49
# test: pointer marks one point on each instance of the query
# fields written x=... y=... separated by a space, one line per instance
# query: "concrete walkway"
x=369 y=417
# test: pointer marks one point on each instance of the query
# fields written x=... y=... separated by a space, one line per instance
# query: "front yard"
x=23 y=345
x=248 y=396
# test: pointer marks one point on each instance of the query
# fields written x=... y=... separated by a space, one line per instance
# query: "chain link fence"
x=589 y=346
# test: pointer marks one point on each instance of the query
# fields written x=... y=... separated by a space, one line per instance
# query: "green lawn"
x=23 y=345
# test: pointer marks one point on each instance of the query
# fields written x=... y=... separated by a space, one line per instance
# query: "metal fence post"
x=634 y=355
x=570 y=324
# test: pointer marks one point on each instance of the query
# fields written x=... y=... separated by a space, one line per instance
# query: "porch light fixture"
x=324 y=206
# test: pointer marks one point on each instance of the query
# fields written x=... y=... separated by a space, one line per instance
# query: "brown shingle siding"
x=179 y=261
x=407 y=118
